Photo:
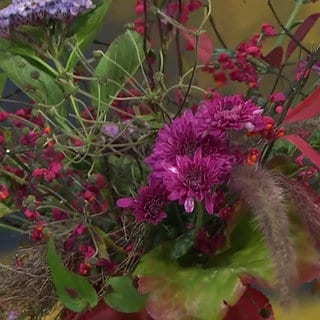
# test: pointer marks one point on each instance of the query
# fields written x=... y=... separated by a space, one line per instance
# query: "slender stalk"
x=290 y=21
x=287 y=32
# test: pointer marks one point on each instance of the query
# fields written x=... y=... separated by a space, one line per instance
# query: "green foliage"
x=4 y=210
x=123 y=296
x=120 y=62
x=37 y=84
x=3 y=80
x=181 y=247
x=85 y=29
x=73 y=290
x=199 y=292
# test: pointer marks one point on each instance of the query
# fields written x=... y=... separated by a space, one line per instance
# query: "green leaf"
x=198 y=292
x=21 y=49
x=85 y=29
x=3 y=80
x=4 y=210
x=37 y=84
x=181 y=247
x=117 y=65
x=74 y=291
x=123 y=296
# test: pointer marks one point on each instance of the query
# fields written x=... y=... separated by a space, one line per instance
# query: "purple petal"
x=189 y=205
x=125 y=202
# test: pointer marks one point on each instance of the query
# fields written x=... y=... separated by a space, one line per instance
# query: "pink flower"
x=4 y=192
x=278 y=97
x=37 y=233
x=3 y=115
x=87 y=251
x=268 y=29
x=30 y=138
x=193 y=179
x=58 y=215
x=79 y=229
x=182 y=138
x=69 y=243
x=139 y=25
x=150 y=203
x=84 y=268
x=231 y=112
x=32 y=215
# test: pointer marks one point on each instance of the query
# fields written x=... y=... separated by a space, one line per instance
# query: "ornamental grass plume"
x=307 y=203
x=263 y=192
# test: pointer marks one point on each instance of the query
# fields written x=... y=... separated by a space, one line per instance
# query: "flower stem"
x=290 y=21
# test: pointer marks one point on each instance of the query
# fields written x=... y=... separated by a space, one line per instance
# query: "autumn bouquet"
x=143 y=193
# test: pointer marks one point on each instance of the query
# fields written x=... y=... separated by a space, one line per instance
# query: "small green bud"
x=35 y=74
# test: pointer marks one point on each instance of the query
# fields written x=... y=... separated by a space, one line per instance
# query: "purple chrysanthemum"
x=231 y=112
x=150 y=203
x=182 y=138
x=37 y=12
x=193 y=179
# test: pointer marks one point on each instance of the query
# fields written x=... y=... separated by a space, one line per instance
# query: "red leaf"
x=253 y=305
x=307 y=109
x=301 y=32
x=103 y=312
x=305 y=148
x=274 y=57
x=205 y=46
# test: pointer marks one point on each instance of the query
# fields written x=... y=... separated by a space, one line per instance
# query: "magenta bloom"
x=183 y=138
x=150 y=203
x=193 y=179
x=231 y=112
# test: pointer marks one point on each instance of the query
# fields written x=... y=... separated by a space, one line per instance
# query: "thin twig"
x=287 y=32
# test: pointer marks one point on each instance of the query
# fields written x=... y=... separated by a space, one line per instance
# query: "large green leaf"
x=3 y=80
x=123 y=296
x=198 y=292
x=74 y=291
x=85 y=29
x=37 y=84
x=117 y=65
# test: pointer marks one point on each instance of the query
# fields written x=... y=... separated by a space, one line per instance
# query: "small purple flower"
x=150 y=203
x=13 y=315
x=39 y=12
x=111 y=129
x=193 y=179
x=231 y=112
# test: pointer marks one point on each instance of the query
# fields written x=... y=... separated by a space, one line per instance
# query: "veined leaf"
x=123 y=296
x=37 y=84
x=74 y=291
x=194 y=292
x=117 y=65
x=3 y=80
x=85 y=29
